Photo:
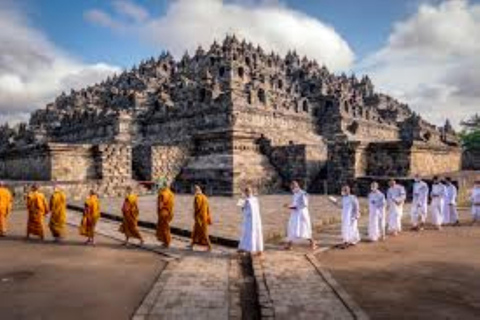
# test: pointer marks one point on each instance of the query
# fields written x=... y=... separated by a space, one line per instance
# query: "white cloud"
x=33 y=70
x=101 y=18
x=431 y=60
x=189 y=23
x=131 y=10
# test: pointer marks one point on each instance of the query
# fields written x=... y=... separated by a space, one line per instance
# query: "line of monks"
x=386 y=212
x=38 y=208
x=442 y=212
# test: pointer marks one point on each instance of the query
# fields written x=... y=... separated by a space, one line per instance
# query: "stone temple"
x=225 y=117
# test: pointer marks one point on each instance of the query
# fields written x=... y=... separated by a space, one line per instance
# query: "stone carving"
x=207 y=118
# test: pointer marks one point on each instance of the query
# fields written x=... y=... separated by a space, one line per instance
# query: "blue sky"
x=422 y=52
x=364 y=24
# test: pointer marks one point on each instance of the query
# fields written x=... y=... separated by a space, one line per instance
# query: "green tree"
x=470 y=135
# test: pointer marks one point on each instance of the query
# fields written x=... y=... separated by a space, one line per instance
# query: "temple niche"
x=226 y=116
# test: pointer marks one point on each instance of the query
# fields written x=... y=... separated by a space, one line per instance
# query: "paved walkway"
x=292 y=287
x=194 y=285
x=203 y=285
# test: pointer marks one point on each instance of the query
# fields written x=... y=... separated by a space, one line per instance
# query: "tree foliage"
x=470 y=134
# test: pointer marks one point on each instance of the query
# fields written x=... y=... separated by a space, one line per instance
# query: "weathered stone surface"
x=228 y=116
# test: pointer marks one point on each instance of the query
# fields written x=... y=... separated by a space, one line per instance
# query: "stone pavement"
x=194 y=288
x=193 y=285
x=204 y=285
x=227 y=217
x=292 y=287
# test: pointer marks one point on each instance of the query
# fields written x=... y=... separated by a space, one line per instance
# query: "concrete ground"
x=71 y=281
x=427 y=275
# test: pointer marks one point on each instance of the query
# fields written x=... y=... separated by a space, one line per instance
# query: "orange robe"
x=130 y=212
x=58 y=218
x=91 y=214
x=37 y=207
x=5 y=209
x=201 y=215
x=165 y=203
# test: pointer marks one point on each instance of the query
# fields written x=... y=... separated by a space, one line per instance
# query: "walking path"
x=295 y=289
x=211 y=285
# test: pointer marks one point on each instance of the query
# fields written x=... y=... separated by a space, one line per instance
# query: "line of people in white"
x=385 y=212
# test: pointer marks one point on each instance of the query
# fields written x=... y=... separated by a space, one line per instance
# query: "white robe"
x=475 y=199
x=299 y=226
x=376 y=222
x=419 y=203
x=350 y=216
x=437 y=205
x=395 y=211
x=252 y=236
x=450 y=214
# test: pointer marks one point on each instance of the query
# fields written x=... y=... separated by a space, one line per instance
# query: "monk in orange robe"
x=5 y=208
x=165 y=202
x=58 y=217
x=201 y=215
x=91 y=214
x=37 y=207
x=130 y=212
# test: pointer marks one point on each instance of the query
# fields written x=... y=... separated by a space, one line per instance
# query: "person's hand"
x=286 y=206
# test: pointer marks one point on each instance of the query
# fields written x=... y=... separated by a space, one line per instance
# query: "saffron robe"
x=91 y=214
x=376 y=221
x=419 y=202
x=396 y=196
x=58 y=218
x=130 y=212
x=299 y=226
x=350 y=216
x=37 y=207
x=437 y=206
x=252 y=237
x=202 y=217
x=165 y=203
x=5 y=209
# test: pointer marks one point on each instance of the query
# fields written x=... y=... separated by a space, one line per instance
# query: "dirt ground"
x=427 y=275
x=71 y=281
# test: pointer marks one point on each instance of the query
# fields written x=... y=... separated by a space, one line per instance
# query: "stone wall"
x=299 y=162
x=471 y=160
x=168 y=161
x=279 y=126
x=29 y=163
x=342 y=162
x=210 y=164
x=429 y=159
x=388 y=159
x=72 y=162
x=251 y=167
x=142 y=162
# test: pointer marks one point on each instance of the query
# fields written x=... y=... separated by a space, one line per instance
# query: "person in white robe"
x=376 y=208
x=299 y=225
x=438 y=199
x=419 y=204
x=350 y=216
x=252 y=237
x=450 y=213
x=396 y=196
x=475 y=199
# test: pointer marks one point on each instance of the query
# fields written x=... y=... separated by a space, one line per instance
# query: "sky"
x=423 y=52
